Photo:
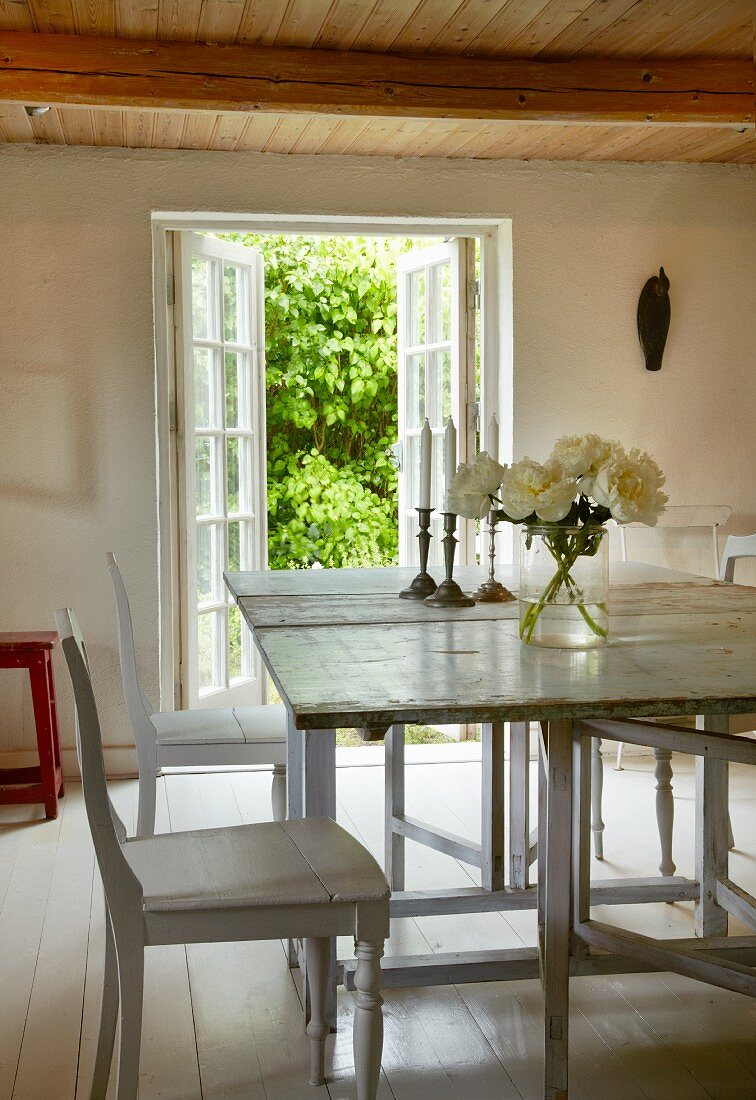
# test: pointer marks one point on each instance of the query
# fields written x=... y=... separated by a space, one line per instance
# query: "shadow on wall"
x=49 y=436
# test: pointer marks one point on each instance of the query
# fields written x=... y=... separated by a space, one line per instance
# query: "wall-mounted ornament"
x=653 y=319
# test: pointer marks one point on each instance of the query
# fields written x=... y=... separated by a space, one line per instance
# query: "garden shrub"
x=331 y=364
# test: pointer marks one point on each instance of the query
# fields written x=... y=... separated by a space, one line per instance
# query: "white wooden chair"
x=187 y=738
x=736 y=548
x=682 y=518
x=305 y=879
x=685 y=517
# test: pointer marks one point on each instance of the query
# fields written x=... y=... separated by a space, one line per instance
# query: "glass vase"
x=564 y=585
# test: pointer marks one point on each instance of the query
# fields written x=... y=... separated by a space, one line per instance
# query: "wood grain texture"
x=631 y=1036
x=390 y=580
x=545 y=30
x=661 y=660
x=397 y=137
x=55 y=68
x=494 y=28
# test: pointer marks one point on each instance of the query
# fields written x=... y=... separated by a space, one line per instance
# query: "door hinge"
x=170 y=290
x=473 y=416
x=172 y=417
x=473 y=294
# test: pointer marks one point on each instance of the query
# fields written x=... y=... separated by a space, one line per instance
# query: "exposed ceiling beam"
x=114 y=72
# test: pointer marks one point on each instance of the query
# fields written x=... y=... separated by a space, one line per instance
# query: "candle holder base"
x=493 y=592
x=422 y=586
x=449 y=594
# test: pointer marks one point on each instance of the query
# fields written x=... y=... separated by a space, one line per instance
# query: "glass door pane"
x=222 y=449
x=431 y=351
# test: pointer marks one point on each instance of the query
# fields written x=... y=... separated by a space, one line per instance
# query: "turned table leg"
x=665 y=808
x=597 y=797
x=519 y=809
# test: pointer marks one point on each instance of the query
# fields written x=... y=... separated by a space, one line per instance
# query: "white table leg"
x=492 y=802
x=519 y=804
x=665 y=808
x=558 y=922
x=294 y=797
x=319 y=785
x=711 y=834
x=597 y=797
x=394 y=804
x=541 y=868
x=581 y=835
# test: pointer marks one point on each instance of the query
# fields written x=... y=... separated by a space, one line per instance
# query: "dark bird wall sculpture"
x=653 y=319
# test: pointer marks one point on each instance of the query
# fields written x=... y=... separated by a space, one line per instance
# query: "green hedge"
x=330 y=319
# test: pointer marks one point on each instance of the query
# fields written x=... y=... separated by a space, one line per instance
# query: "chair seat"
x=223 y=726
x=307 y=862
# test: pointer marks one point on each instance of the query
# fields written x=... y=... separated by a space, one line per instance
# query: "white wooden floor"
x=224 y=1022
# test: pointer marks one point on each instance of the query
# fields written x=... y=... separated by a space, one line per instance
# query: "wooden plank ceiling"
x=543 y=30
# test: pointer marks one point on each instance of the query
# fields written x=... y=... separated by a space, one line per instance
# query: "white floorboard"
x=224 y=1022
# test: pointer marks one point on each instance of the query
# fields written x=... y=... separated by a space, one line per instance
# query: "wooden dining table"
x=345 y=651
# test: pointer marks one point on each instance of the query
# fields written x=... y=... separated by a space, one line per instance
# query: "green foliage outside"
x=413 y=735
x=330 y=319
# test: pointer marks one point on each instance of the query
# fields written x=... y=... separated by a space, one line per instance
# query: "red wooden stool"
x=33 y=650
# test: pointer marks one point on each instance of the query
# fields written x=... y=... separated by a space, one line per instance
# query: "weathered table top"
x=345 y=651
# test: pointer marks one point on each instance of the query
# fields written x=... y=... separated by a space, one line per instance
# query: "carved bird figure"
x=653 y=319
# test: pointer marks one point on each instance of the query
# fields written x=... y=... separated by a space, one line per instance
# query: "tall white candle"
x=492 y=442
x=426 y=464
x=450 y=455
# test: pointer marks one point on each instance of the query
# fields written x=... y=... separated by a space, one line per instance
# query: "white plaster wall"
x=77 y=454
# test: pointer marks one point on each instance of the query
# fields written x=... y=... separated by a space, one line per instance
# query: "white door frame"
x=495 y=236
x=249 y=426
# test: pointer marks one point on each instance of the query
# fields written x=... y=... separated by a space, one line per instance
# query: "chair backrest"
x=686 y=516
x=137 y=704
x=737 y=546
x=108 y=831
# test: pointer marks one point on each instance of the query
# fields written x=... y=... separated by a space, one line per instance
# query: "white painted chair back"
x=137 y=704
x=686 y=516
x=108 y=831
x=736 y=547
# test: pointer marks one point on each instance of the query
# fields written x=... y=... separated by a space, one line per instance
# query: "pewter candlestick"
x=448 y=593
x=492 y=591
x=423 y=584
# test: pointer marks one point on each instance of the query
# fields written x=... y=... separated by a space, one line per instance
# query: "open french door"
x=220 y=412
x=436 y=378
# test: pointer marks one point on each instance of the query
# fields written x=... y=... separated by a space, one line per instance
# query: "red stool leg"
x=43 y=721
x=54 y=718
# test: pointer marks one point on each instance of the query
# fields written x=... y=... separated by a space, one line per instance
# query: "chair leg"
x=318 y=955
x=730 y=834
x=130 y=952
x=278 y=792
x=147 y=797
x=597 y=797
x=368 y=1019
x=620 y=749
x=108 y=1016
x=665 y=808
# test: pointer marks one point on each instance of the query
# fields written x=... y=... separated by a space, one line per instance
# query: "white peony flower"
x=473 y=485
x=548 y=490
x=583 y=456
x=629 y=485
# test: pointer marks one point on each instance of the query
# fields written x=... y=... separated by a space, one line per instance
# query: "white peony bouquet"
x=585 y=481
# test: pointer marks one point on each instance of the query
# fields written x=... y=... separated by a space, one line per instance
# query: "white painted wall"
x=77 y=465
